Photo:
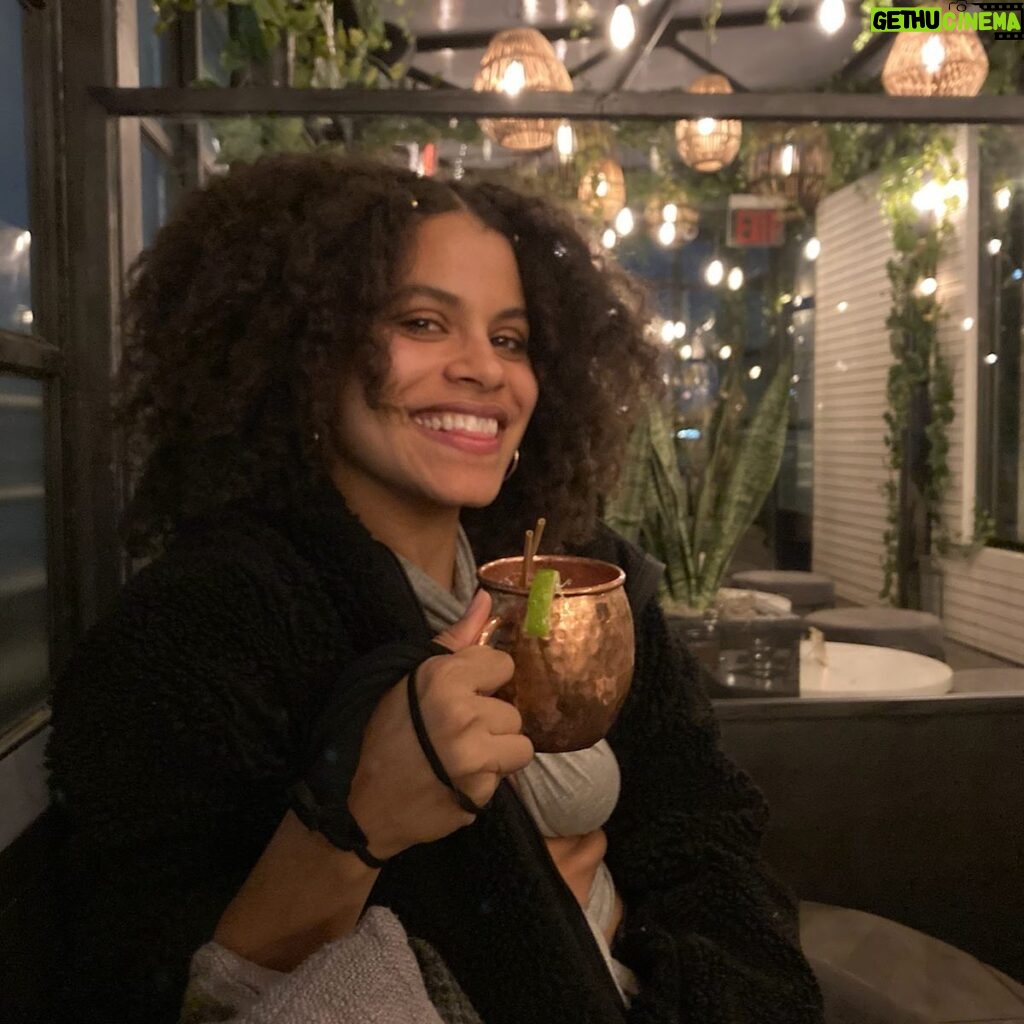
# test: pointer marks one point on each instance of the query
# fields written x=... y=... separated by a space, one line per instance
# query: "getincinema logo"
x=1002 y=19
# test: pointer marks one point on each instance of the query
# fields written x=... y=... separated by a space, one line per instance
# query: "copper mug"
x=570 y=685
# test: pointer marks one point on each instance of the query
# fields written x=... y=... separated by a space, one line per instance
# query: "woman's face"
x=461 y=389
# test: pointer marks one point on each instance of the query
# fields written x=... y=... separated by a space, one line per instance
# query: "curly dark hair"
x=267 y=287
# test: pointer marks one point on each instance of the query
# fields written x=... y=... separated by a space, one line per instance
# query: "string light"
x=670 y=212
x=1002 y=199
x=624 y=221
x=609 y=238
x=831 y=16
x=991 y=359
x=812 y=250
x=842 y=307
x=754 y=372
x=686 y=352
x=622 y=28
x=967 y=323
x=668 y=332
x=679 y=330
x=994 y=245
x=565 y=141
x=715 y=273
x=725 y=351
x=734 y=281
x=927 y=286
x=666 y=233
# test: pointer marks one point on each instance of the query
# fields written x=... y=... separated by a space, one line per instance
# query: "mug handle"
x=491 y=627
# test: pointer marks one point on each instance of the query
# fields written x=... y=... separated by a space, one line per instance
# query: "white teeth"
x=449 y=421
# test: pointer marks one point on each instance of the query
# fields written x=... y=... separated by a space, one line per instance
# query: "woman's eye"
x=510 y=343
x=421 y=325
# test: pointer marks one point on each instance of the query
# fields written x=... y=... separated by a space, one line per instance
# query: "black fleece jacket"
x=185 y=717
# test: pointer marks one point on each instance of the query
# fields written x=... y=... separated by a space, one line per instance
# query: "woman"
x=330 y=369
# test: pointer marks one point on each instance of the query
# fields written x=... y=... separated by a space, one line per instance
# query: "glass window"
x=1000 y=327
x=154 y=50
x=15 y=239
x=24 y=648
x=157 y=175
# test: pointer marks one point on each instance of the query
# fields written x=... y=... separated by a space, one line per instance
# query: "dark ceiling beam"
x=743 y=19
x=855 y=64
x=651 y=25
x=426 y=78
x=705 y=65
x=431 y=42
x=591 y=62
x=192 y=104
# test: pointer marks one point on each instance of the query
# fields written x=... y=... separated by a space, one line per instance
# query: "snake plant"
x=693 y=521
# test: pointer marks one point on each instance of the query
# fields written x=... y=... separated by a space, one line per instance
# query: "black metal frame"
x=267 y=100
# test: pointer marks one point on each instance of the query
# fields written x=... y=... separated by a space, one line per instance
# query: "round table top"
x=860 y=670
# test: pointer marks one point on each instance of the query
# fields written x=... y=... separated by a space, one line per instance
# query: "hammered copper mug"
x=568 y=686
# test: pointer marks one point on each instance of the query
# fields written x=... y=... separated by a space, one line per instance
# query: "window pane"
x=1001 y=323
x=156 y=183
x=24 y=649
x=154 y=50
x=15 y=240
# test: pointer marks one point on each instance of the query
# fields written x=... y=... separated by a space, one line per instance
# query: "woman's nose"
x=476 y=361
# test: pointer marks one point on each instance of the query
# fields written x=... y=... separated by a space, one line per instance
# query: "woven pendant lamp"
x=935 y=64
x=602 y=189
x=521 y=59
x=792 y=163
x=708 y=144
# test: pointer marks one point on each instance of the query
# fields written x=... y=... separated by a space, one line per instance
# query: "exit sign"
x=755 y=221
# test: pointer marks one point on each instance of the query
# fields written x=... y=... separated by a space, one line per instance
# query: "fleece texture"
x=189 y=712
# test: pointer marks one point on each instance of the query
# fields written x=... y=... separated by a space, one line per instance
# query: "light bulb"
x=812 y=250
x=1002 y=198
x=994 y=245
x=514 y=79
x=686 y=351
x=679 y=330
x=667 y=232
x=22 y=242
x=842 y=306
x=668 y=332
x=927 y=286
x=933 y=54
x=991 y=359
x=725 y=351
x=715 y=273
x=705 y=126
x=565 y=141
x=754 y=372
x=795 y=379
x=624 y=221
x=735 y=279
x=622 y=28
x=787 y=158
x=831 y=16
x=670 y=212
x=609 y=238
x=601 y=189
x=967 y=323
x=929 y=198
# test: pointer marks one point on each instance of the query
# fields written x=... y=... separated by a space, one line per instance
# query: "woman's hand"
x=395 y=796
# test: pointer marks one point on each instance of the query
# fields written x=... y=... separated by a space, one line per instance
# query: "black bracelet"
x=345 y=835
x=428 y=748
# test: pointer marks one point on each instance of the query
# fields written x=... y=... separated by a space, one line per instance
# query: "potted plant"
x=693 y=517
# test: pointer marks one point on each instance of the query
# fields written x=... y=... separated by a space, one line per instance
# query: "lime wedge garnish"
x=538 y=605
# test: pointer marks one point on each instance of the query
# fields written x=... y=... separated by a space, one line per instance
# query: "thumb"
x=464 y=632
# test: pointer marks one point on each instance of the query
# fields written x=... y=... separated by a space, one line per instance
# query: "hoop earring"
x=512 y=466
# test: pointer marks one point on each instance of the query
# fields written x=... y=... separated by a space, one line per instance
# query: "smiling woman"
x=284 y=739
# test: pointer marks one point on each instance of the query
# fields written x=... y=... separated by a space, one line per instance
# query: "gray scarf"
x=444 y=608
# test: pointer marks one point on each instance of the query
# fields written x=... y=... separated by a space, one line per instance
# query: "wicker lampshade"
x=542 y=71
x=708 y=144
x=935 y=64
x=603 y=189
x=793 y=163
x=687 y=217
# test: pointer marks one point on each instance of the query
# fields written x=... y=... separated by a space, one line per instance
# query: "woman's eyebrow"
x=449 y=299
